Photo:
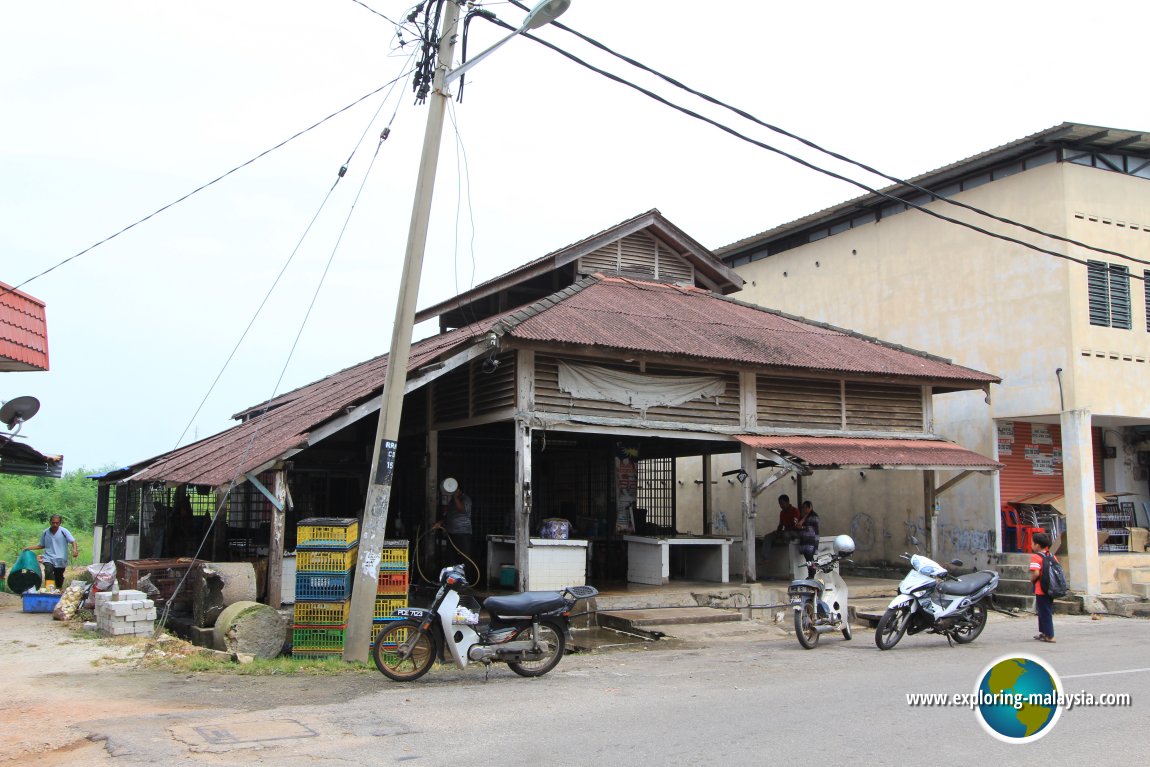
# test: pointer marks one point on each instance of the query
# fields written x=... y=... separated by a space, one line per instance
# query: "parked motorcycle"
x=931 y=599
x=820 y=604
x=527 y=631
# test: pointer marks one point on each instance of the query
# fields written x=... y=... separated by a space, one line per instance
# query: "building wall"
x=984 y=303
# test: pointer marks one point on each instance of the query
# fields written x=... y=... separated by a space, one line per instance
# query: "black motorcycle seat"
x=524 y=603
x=966 y=584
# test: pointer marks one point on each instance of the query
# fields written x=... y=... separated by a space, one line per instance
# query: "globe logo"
x=1018 y=698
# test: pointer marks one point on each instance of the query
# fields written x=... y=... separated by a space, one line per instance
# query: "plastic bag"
x=25 y=574
x=103 y=576
x=70 y=601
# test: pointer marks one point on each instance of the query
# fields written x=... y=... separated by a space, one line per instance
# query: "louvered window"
x=1146 y=287
x=1109 y=287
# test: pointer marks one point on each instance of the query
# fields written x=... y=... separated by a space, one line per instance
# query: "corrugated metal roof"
x=1073 y=135
x=702 y=258
x=286 y=421
x=607 y=313
x=645 y=316
x=861 y=453
x=23 y=331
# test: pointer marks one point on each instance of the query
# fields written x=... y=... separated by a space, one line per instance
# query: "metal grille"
x=249 y=516
x=657 y=492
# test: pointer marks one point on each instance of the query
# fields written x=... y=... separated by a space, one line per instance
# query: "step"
x=1019 y=588
x=641 y=620
x=1014 y=572
x=1005 y=601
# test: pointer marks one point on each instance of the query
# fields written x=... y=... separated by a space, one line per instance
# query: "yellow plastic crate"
x=327 y=532
x=321 y=613
x=393 y=559
x=385 y=606
x=325 y=560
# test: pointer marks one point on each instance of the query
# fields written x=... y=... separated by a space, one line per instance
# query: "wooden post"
x=930 y=520
x=750 y=464
x=276 y=543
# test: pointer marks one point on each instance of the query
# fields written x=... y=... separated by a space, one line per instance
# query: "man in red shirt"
x=789 y=518
x=1043 y=604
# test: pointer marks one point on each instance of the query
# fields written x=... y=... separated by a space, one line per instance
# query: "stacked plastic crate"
x=391 y=593
x=326 y=551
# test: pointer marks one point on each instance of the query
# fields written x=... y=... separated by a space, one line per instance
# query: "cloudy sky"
x=113 y=109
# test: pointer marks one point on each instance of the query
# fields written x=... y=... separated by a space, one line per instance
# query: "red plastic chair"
x=1023 y=534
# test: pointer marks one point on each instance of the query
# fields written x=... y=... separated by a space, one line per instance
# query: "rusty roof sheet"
x=645 y=316
x=282 y=424
x=703 y=259
x=864 y=453
x=606 y=312
x=23 y=331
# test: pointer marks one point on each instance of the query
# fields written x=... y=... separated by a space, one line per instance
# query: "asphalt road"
x=742 y=700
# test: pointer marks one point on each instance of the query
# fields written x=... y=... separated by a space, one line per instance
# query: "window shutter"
x=1099 y=293
x=1119 y=297
x=1146 y=288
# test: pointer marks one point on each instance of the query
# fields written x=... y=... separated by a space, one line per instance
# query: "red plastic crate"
x=392 y=583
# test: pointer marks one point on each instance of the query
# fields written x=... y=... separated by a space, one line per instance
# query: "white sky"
x=114 y=109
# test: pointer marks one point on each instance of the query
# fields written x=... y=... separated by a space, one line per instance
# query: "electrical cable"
x=223 y=497
x=299 y=243
x=285 y=142
x=781 y=131
x=377 y=13
x=794 y=158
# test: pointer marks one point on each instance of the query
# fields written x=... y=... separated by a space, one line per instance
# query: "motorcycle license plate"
x=796 y=600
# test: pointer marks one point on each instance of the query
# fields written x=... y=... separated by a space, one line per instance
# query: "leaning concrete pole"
x=372 y=530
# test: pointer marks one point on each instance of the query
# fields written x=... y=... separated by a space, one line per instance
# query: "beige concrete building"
x=1067 y=330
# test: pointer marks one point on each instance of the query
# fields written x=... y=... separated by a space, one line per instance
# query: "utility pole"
x=372 y=531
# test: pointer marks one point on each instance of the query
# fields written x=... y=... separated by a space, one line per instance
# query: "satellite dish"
x=19 y=410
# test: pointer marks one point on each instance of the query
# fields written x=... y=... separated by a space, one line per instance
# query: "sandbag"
x=25 y=573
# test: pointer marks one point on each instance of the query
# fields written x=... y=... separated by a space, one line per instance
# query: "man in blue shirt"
x=55 y=542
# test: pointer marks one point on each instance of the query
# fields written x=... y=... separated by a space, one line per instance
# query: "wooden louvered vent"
x=495 y=390
x=799 y=403
x=883 y=407
x=452 y=395
x=638 y=254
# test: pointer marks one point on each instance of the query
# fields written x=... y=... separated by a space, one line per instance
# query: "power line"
x=748 y=116
x=797 y=159
x=271 y=289
x=201 y=188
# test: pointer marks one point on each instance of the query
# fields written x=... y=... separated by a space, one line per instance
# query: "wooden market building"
x=624 y=347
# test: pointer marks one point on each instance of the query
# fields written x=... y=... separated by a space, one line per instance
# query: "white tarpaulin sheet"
x=636 y=390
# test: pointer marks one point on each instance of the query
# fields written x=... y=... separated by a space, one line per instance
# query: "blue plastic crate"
x=323 y=587
x=40 y=603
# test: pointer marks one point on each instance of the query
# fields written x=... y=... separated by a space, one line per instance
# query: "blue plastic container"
x=40 y=603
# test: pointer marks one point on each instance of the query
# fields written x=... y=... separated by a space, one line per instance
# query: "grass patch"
x=199 y=660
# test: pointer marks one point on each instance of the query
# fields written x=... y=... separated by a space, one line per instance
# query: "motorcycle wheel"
x=891 y=627
x=847 y=633
x=966 y=634
x=386 y=651
x=805 y=626
x=554 y=641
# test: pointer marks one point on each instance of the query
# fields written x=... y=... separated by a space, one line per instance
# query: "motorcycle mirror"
x=956 y=562
x=914 y=540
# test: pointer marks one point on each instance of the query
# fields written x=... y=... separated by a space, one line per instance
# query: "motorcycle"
x=527 y=631
x=820 y=604
x=931 y=599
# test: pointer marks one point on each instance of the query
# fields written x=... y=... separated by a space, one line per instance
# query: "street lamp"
x=373 y=529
